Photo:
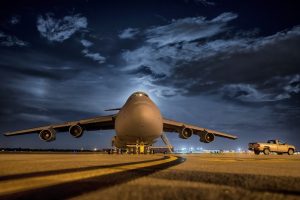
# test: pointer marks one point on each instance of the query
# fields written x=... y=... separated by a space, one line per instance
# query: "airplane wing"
x=96 y=123
x=174 y=126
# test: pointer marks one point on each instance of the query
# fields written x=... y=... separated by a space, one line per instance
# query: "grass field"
x=190 y=176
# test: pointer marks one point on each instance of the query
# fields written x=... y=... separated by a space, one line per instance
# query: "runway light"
x=183 y=150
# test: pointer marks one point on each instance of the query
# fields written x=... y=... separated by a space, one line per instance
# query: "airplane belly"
x=142 y=122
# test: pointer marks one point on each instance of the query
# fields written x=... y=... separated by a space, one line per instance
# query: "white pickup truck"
x=272 y=146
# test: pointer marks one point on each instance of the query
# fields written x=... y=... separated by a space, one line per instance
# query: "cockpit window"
x=139 y=94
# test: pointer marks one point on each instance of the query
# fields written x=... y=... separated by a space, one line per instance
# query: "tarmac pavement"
x=190 y=176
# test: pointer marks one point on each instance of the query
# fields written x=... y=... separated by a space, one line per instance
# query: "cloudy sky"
x=233 y=66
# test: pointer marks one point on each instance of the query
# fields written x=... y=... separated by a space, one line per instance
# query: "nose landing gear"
x=138 y=148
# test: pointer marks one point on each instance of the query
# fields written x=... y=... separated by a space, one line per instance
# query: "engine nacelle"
x=48 y=135
x=185 y=133
x=76 y=131
x=207 y=137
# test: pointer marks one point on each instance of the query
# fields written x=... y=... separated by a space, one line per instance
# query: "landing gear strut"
x=138 y=148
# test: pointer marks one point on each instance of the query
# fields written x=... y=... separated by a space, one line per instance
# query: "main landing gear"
x=138 y=148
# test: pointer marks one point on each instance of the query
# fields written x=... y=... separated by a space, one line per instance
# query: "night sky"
x=232 y=66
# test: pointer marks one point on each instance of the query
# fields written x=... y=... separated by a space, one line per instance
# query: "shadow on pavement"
x=62 y=171
x=76 y=188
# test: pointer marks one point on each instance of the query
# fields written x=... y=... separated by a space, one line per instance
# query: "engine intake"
x=185 y=133
x=76 y=131
x=48 y=135
x=207 y=137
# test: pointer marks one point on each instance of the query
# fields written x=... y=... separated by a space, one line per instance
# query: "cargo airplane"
x=139 y=121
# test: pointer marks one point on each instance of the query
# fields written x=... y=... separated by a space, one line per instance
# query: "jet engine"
x=185 y=133
x=206 y=137
x=48 y=135
x=76 y=131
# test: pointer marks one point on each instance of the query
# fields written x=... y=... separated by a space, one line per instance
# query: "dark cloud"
x=188 y=29
x=15 y=19
x=59 y=30
x=146 y=71
x=238 y=67
x=10 y=41
x=129 y=33
x=266 y=69
x=94 y=56
x=86 y=43
x=174 y=44
x=205 y=2
x=275 y=89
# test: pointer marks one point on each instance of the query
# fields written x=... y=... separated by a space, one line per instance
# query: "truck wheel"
x=256 y=152
x=266 y=151
x=291 y=151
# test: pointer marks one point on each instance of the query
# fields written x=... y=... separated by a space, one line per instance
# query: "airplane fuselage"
x=139 y=120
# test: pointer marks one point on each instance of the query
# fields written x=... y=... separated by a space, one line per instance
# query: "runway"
x=191 y=176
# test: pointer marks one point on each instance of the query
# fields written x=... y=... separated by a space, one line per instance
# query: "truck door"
x=281 y=147
x=273 y=145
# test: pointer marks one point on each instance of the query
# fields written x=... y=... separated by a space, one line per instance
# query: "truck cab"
x=278 y=146
x=272 y=146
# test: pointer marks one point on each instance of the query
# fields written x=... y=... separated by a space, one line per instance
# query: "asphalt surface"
x=191 y=176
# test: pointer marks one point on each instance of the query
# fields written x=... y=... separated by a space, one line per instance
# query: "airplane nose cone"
x=145 y=117
x=141 y=120
x=147 y=120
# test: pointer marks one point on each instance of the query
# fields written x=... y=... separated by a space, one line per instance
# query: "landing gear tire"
x=266 y=151
x=256 y=152
x=291 y=152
